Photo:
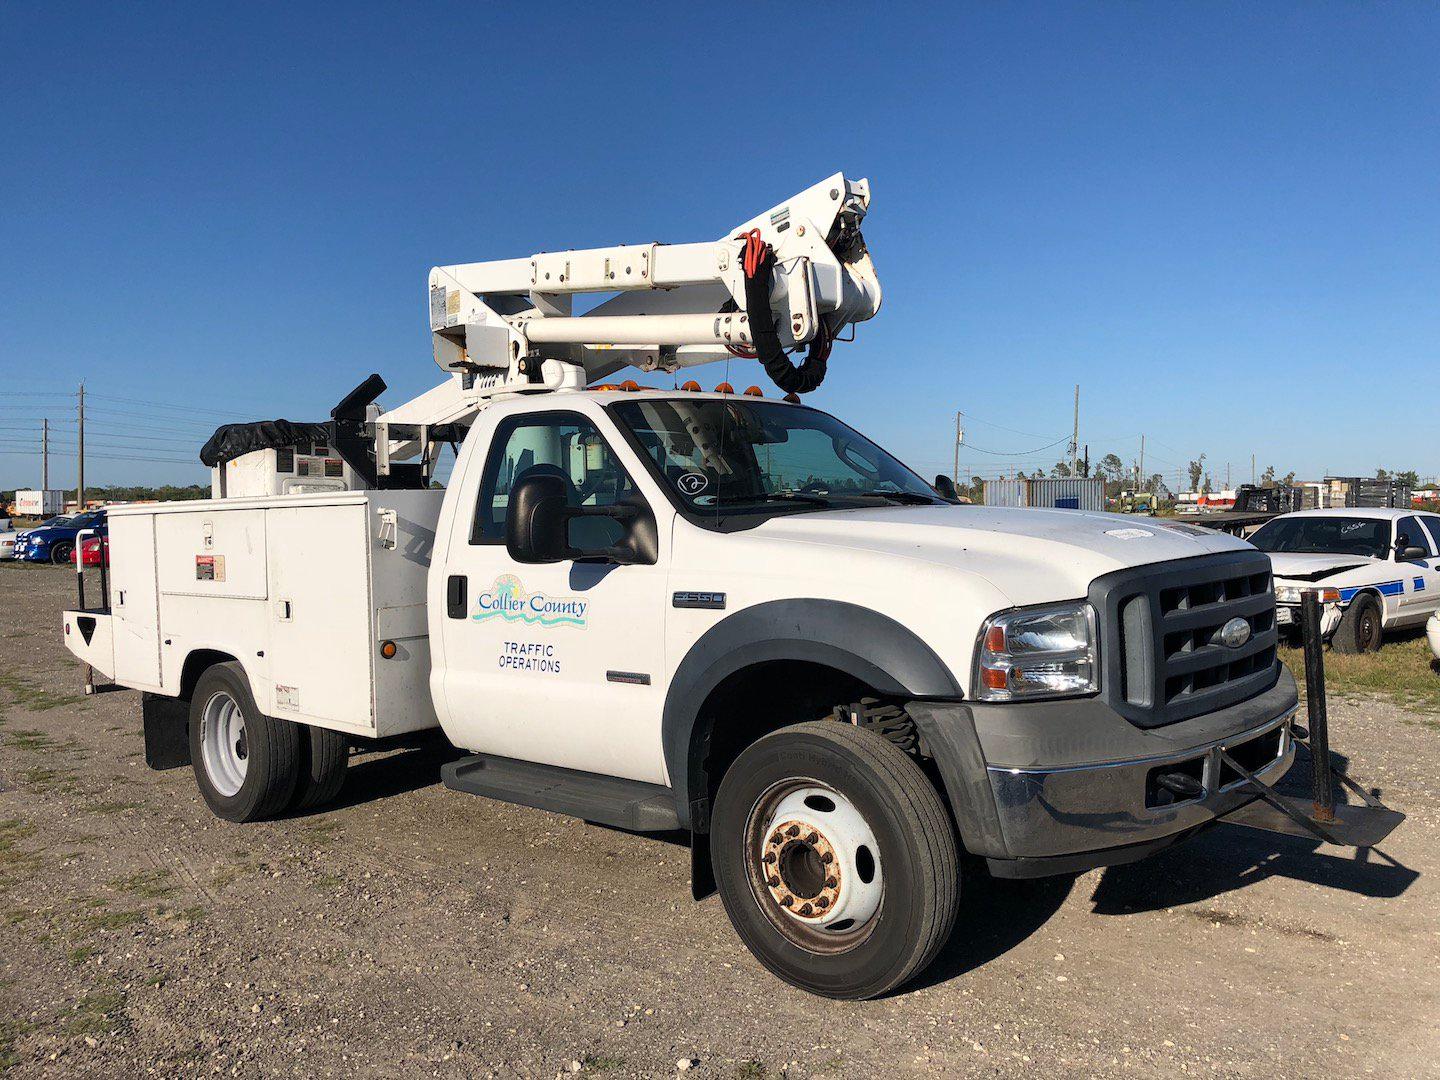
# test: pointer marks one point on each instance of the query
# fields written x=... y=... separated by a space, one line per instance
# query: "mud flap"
x=167 y=731
x=702 y=872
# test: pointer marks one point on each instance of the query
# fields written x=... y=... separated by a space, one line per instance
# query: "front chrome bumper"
x=1057 y=812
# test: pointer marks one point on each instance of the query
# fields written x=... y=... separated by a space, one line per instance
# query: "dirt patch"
x=413 y=931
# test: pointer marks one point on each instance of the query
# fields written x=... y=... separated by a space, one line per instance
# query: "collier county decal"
x=508 y=601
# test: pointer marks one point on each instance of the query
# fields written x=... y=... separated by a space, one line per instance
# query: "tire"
x=324 y=760
x=914 y=884
x=1361 y=628
x=246 y=763
x=60 y=552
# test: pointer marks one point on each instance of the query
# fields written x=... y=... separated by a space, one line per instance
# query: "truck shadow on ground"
x=383 y=776
x=995 y=916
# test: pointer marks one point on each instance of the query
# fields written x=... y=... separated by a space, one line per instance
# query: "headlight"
x=1037 y=652
x=1290 y=594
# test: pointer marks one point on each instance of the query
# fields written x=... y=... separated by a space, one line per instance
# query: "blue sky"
x=1221 y=220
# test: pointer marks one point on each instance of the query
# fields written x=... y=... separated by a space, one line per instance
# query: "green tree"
x=1197 y=467
x=1110 y=468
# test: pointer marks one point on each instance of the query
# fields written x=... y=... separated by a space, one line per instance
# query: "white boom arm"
x=506 y=326
x=486 y=316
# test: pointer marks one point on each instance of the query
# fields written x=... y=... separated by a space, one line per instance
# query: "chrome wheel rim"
x=814 y=865
x=222 y=743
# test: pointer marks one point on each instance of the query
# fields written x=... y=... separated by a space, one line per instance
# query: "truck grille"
x=1162 y=656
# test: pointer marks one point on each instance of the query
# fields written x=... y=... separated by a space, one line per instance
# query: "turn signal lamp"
x=388 y=650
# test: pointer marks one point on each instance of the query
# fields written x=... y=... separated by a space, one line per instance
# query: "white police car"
x=1374 y=570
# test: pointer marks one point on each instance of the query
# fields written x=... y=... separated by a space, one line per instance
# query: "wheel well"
x=757 y=700
x=196 y=665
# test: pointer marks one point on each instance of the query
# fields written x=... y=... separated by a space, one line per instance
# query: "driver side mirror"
x=945 y=487
x=537 y=526
x=1408 y=552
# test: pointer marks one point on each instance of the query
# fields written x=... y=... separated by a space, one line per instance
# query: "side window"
x=562 y=444
x=1408 y=530
x=1432 y=526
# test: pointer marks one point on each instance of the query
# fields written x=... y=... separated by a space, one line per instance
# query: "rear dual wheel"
x=250 y=766
x=835 y=859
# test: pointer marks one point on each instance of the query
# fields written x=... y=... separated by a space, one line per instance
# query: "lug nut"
x=769 y=856
x=806 y=909
x=812 y=837
x=779 y=837
x=793 y=830
x=830 y=883
x=828 y=857
x=823 y=903
x=772 y=881
x=786 y=901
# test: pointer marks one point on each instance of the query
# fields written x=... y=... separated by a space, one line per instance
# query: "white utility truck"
x=714 y=612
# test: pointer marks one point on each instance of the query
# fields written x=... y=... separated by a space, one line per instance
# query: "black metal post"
x=1315 y=706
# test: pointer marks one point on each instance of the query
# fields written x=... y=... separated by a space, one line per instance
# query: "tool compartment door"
x=134 y=600
x=321 y=659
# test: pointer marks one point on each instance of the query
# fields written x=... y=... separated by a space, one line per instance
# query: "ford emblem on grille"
x=1235 y=633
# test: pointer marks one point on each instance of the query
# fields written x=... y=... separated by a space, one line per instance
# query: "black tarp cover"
x=232 y=440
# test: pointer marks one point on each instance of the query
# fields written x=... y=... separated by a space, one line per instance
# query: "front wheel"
x=1361 y=627
x=835 y=859
x=60 y=553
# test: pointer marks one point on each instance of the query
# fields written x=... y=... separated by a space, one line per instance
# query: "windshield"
x=1325 y=536
x=748 y=457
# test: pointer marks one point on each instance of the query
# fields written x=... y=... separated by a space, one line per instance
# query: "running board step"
x=608 y=800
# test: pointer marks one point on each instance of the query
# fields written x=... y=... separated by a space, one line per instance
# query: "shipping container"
x=1061 y=494
x=39 y=504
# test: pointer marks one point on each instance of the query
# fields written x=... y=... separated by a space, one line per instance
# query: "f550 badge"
x=508 y=601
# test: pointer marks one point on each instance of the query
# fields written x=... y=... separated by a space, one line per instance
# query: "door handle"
x=455 y=596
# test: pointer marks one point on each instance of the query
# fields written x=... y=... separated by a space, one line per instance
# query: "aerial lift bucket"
x=1359 y=825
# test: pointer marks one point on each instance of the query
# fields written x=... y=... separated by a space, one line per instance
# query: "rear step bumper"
x=607 y=800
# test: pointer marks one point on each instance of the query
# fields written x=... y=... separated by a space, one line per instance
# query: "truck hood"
x=1030 y=555
x=1315 y=567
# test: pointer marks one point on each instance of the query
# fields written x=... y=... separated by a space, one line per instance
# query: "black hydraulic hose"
x=785 y=375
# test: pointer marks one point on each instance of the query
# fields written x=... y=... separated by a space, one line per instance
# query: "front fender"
x=857 y=640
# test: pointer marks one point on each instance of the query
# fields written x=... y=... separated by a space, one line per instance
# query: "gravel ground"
x=410 y=930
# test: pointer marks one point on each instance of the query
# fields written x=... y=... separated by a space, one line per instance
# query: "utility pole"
x=959 y=437
x=1252 y=468
x=1140 y=476
x=44 y=455
x=80 y=482
x=1075 y=434
x=1227 y=476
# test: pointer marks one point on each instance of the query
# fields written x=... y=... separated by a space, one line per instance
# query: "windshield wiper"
x=907 y=498
x=768 y=496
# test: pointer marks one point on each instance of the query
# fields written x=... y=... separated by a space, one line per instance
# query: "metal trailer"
x=1059 y=494
x=1353 y=491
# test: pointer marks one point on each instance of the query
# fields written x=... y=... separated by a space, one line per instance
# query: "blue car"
x=54 y=540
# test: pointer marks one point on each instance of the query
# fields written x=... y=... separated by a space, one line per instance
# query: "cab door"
x=559 y=663
x=1420 y=577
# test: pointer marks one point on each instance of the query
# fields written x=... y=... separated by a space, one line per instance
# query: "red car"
x=93 y=549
